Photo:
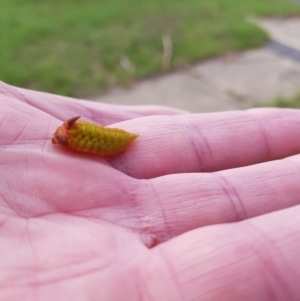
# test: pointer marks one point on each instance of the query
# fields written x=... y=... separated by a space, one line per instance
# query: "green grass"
x=293 y=102
x=74 y=47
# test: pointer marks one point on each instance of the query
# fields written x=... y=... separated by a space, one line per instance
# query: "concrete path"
x=231 y=82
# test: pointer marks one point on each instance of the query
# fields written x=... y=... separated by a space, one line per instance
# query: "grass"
x=293 y=102
x=77 y=48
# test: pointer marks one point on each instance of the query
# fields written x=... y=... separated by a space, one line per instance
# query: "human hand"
x=185 y=213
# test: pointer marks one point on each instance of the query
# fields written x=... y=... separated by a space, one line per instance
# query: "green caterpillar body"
x=92 y=138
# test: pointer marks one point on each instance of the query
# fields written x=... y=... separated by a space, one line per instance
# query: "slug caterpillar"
x=92 y=138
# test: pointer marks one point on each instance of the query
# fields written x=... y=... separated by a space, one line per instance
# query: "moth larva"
x=92 y=138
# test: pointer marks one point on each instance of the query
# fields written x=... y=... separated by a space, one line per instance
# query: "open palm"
x=200 y=207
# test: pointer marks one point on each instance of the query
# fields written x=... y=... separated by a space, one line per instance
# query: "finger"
x=210 y=142
x=254 y=260
x=175 y=204
x=64 y=107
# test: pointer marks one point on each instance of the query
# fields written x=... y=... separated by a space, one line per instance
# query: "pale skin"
x=186 y=213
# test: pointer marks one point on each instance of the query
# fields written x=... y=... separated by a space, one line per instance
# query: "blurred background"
x=197 y=55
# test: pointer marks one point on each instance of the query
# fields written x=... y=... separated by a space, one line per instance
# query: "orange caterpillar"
x=92 y=138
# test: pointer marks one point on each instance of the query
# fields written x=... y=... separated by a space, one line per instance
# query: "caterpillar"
x=92 y=138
